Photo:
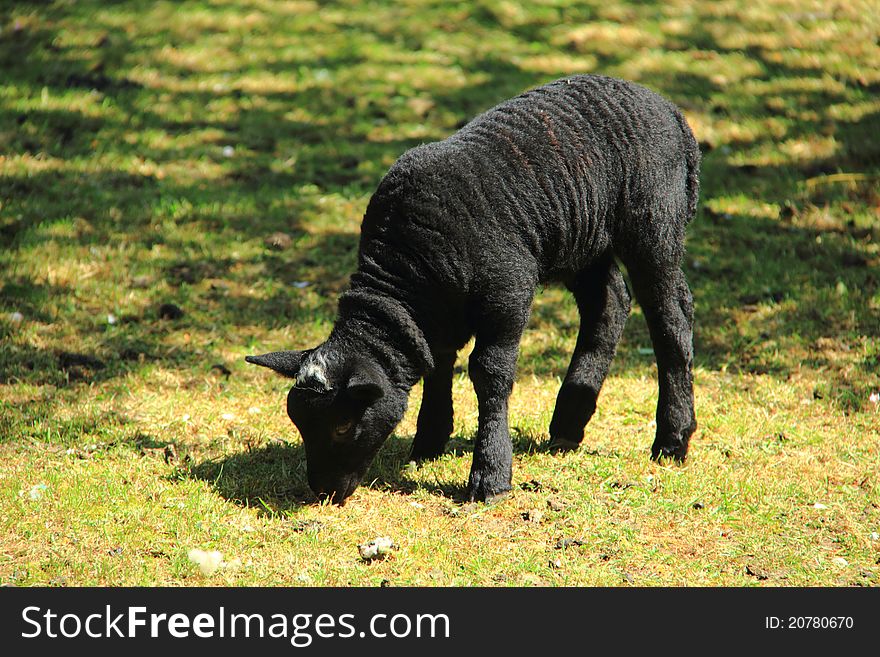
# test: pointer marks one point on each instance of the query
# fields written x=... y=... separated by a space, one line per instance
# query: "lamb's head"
x=344 y=406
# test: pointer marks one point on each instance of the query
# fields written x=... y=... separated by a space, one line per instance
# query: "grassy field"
x=218 y=156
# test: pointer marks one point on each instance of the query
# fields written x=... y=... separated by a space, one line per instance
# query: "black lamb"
x=553 y=185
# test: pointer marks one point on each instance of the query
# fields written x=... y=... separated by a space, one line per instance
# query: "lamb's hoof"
x=428 y=447
x=562 y=446
x=677 y=452
x=420 y=457
x=488 y=498
x=480 y=490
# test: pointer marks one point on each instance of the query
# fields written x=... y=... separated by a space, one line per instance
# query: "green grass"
x=149 y=152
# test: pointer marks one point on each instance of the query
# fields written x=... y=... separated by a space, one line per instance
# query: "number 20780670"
x=808 y=622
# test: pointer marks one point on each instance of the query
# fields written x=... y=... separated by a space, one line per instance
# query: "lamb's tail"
x=692 y=161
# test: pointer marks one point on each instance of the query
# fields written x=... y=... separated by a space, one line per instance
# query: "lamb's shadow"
x=272 y=478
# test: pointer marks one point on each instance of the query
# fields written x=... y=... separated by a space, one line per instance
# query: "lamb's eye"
x=341 y=430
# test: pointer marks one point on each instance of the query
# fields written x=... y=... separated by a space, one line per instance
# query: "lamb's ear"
x=283 y=362
x=365 y=385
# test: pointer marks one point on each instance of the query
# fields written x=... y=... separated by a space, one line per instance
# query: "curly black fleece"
x=553 y=185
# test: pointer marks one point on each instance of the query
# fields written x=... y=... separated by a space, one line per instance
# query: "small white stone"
x=819 y=505
x=16 y=317
x=533 y=515
x=208 y=562
x=254 y=410
x=36 y=492
x=185 y=417
x=874 y=397
x=228 y=416
x=228 y=151
x=875 y=536
x=377 y=548
x=840 y=561
x=301 y=284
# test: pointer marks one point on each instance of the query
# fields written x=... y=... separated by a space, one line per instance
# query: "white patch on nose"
x=314 y=370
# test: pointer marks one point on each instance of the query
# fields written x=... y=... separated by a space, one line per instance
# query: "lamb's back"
x=541 y=178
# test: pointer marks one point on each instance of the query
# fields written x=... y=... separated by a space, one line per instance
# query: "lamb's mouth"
x=339 y=493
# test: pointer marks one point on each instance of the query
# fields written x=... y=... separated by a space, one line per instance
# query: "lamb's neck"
x=386 y=329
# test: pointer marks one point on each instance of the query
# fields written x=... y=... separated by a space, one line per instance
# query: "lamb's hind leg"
x=666 y=300
x=603 y=302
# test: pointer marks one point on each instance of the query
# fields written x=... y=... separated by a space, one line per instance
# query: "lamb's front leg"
x=435 y=416
x=492 y=367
